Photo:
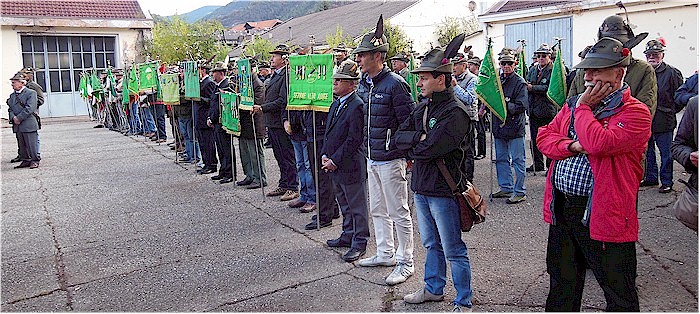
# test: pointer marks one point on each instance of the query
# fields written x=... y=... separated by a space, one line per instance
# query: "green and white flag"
x=245 y=84
x=83 y=85
x=95 y=86
x=170 y=88
x=191 y=80
x=522 y=64
x=148 y=76
x=556 y=92
x=489 y=88
x=111 y=83
x=230 y=121
x=133 y=81
x=310 y=82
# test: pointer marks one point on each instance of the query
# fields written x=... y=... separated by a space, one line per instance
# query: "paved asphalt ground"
x=111 y=223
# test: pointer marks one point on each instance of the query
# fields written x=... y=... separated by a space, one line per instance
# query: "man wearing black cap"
x=439 y=130
x=340 y=54
x=388 y=103
x=597 y=142
x=399 y=64
x=22 y=104
x=664 y=122
x=276 y=90
x=205 y=133
x=264 y=72
x=31 y=84
x=509 y=135
x=640 y=75
x=541 y=110
x=221 y=138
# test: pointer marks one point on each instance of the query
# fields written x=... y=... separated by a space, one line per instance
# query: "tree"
x=175 y=40
x=398 y=40
x=450 y=27
x=333 y=40
x=259 y=47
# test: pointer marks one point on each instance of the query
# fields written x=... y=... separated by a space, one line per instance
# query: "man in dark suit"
x=276 y=89
x=22 y=104
x=31 y=84
x=205 y=133
x=342 y=156
x=221 y=138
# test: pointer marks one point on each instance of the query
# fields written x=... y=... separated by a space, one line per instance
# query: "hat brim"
x=601 y=63
x=339 y=76
x=380 y=48
x=445 y=68
x=279 y=52
x=633 y=42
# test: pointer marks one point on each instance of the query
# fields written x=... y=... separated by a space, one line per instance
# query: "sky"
x=170 y=7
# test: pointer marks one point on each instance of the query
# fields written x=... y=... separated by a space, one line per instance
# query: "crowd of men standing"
x=357 y=158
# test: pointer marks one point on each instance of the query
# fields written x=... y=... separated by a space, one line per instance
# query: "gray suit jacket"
x=23 y=105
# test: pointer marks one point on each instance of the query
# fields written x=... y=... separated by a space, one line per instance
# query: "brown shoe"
x=289 y=195
x=276 y=192
x=307 y=208
x=296 y=203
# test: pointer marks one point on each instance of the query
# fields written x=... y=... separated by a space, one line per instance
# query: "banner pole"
x=233 y=159
x=318 y=197
x=491 y=160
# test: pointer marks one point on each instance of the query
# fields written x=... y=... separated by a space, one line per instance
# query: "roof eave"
x=76 y=22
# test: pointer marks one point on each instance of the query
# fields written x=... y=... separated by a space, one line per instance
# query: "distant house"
x=577 y=21
x=235 y=35
x=62 y=38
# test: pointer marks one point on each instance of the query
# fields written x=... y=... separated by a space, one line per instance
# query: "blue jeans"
x=511 y=152
x=306 y=180
x=187 y=136
x=663 y=141
x=150 y=124
x=135 y=118
x=438 y=222
x=158 y=111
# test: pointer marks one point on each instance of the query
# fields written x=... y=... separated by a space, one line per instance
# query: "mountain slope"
x=241 y=11
x=197 y=14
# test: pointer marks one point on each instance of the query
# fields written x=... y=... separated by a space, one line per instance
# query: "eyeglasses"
x=542 y=55
x=507 y=63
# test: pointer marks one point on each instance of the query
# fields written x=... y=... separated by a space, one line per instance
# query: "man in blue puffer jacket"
x=388 y=103
x=510 y=137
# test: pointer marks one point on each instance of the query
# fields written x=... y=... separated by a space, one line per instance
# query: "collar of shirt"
x=342 y=100
x=611 y=104
x=203 y=78
x=21 y=90
x=278 y=71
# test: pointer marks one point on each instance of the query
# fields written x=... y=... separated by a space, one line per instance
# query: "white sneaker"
x=400 y=274
x=421 y=296
x=377 y=261
x=460 y=309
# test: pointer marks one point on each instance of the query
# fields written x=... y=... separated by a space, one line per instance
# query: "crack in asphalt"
x=236 y=301
x=665 y=267
x=530 y=285
x=152 y=147
x=42 y=294
x=59 y=264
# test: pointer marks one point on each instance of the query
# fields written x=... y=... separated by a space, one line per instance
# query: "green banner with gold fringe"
x=310 y=82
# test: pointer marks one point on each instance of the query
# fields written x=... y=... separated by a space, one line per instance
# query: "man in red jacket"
x=597 y=141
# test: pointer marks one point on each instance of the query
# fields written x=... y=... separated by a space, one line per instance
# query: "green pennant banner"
x=170 y=88
x=191 y=80
x=133 y=84
x=488 y=87
x=83 y=85
x=148 y=76
x=245 y=84
x=112 y=83
x=556 y=92
x=310 y=82
x=412 y=79
x=95 y=86
x=229 y=113
x=522 y=64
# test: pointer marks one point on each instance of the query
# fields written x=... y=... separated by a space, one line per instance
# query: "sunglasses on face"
x=507 y=63
x=542 y=55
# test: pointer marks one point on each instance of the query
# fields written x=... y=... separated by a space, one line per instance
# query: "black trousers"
x=224 y=149
x=284 y=154
x=481 y=136
x=352 y=199
x=537 y=157
x=570 y=250
x=327 y=207
x=205 y=138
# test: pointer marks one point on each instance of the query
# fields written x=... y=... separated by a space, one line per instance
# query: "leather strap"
x=448 y=177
